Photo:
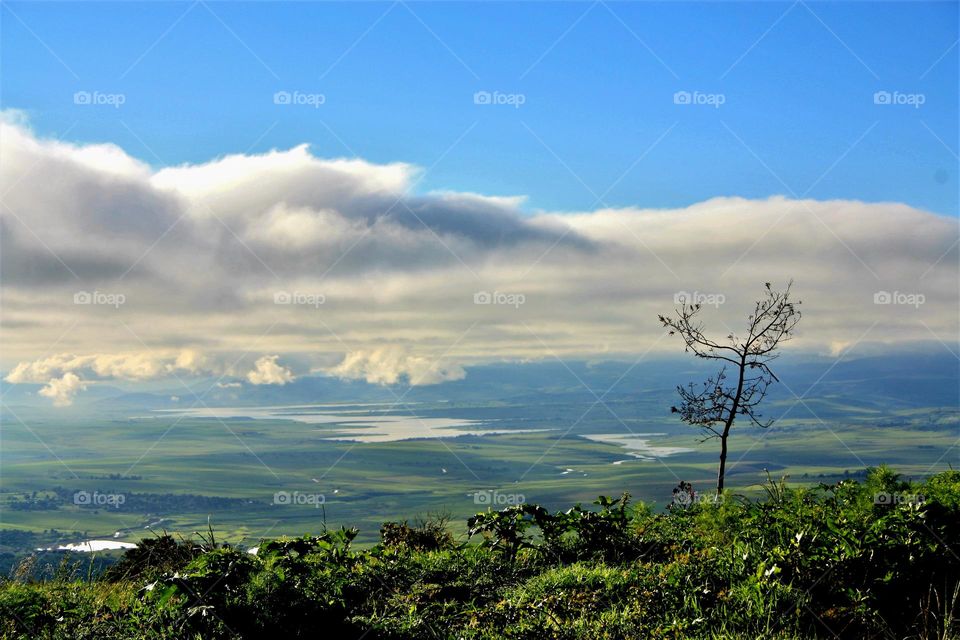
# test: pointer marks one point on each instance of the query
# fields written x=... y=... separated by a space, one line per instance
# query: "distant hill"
x=893 y=381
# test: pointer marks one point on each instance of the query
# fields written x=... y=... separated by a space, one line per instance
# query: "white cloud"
x=62 y=390
x=67 y=374
x=268 y=371
x=199 y=251
x=391 y=365
x=192 y=361
x=112 y=366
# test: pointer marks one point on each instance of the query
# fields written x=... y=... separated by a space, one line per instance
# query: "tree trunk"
x=723 y=461
x=730 y=418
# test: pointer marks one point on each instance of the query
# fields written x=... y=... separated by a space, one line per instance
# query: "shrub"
x=826 y=561
x=152 y=557
x=429 y=534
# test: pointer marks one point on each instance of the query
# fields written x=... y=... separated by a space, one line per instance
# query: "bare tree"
x=715 y=406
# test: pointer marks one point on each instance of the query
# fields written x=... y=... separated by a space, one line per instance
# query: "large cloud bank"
x=266 y=267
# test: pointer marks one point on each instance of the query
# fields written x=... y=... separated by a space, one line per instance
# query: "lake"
x=345 y=423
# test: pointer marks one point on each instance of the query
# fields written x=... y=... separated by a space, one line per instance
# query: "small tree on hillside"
x=715 y=406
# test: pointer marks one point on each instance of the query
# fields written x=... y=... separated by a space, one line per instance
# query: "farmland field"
x=133 y=472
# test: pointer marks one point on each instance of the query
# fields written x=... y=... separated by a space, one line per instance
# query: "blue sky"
x=198 y=82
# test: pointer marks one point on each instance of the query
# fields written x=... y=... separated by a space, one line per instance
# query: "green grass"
x=800 y=562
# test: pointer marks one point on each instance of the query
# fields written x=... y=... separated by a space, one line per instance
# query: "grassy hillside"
x=852 y=559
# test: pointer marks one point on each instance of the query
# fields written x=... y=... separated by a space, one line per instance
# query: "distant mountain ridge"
x=901 y=380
